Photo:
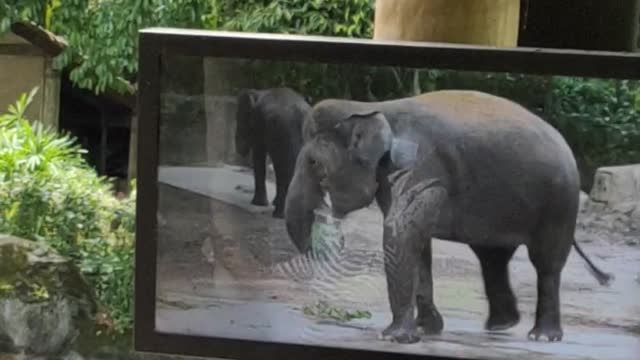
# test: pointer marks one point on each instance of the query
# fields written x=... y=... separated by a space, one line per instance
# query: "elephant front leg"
x=400 y=262
x=410 y=219
x=429 y=320
x=259 y=174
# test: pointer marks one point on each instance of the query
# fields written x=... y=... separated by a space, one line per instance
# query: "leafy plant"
x=49 y=193
x=102 y=34
x=599 y=117
x=322 y=310
x=349 y=18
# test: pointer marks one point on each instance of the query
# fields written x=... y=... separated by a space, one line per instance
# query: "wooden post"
x=50 y=95
x=132 y=171
x=480 y=22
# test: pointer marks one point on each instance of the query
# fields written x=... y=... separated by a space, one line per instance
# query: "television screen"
x=408 y=210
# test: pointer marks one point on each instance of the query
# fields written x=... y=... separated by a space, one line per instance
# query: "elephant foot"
x=401 y=333
x=553 y=333
x=260 y=201
x=430 y=323
x=500 y=321
x=278 y=214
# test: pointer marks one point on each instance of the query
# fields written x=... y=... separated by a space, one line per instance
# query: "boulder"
x=44 y=300
x=616 y=185
x=584 y=200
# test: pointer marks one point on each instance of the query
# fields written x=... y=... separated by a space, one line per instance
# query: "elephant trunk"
x=303 y=197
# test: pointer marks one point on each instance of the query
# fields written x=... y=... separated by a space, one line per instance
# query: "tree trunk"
x=480 y=22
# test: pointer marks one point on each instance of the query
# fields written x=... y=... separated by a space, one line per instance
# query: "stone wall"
x=197 y=130
x=198 y=106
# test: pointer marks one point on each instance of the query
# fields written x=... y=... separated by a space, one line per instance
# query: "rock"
x=584 y=200
x=615 y=185
x=43 y=300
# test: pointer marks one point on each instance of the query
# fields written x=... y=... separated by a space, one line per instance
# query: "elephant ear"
x=371 y=137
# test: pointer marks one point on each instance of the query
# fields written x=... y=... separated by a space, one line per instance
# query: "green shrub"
x=49 y=193
x=599 y=117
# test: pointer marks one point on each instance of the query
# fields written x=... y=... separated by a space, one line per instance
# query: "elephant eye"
x=312 y=162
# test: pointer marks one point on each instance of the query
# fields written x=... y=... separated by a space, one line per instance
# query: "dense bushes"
x=48 y=193
x=600 y=118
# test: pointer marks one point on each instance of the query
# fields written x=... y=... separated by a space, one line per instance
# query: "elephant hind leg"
x=503 y=308
x=259 y=176
x=548 y=252
x=429 y=320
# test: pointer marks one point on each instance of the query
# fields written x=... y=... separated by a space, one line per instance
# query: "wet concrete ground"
x=248 y=295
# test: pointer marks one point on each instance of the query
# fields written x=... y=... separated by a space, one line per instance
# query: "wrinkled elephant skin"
x=462 y=166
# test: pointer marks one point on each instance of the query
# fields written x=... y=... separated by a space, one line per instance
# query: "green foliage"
x=12 y=10
x=103 y=34
x=348 y=18
x=599 y=117
x=49 y=193
x=90 y=27
x=323 y=311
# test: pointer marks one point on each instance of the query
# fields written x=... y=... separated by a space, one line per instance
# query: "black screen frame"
x=155 y=42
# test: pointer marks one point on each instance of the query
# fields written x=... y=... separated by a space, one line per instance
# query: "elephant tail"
x=603 y=278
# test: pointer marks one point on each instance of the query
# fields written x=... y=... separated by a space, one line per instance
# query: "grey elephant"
x=456 y=165
x=269 y=122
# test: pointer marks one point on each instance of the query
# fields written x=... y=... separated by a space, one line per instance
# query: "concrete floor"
x=255 y=290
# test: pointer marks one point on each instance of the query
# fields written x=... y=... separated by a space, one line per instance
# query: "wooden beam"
x=50 y=43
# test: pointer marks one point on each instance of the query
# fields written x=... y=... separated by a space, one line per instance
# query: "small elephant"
x=457 y=165
x=269 y=122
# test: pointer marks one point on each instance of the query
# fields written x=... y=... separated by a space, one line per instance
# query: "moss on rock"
x=44 y=298
x=33 y=272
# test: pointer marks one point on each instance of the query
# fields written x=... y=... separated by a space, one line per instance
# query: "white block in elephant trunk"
x=404 y=152
x=327 y=238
